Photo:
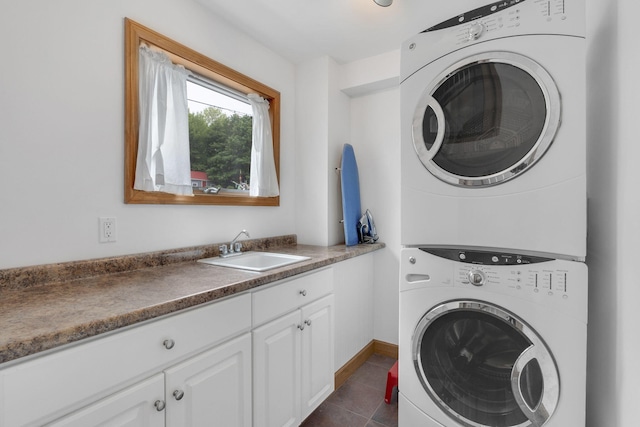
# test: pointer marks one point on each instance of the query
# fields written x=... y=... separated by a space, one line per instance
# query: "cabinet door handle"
x=159 y=404
x=168 y=344
x=303 y=292
x=308 y=322
x=178 y=394
x=301 y=327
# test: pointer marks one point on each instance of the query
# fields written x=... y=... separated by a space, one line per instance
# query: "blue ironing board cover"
x=350 y=185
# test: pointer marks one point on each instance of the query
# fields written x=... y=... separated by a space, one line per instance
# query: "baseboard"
x=374 y=347
x=385 y=349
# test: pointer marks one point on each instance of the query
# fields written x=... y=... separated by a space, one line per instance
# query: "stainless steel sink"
x=255 y=261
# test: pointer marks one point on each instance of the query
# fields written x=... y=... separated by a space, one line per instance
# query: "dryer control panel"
x=548 y=9
x=503 y=19
x=506 y=18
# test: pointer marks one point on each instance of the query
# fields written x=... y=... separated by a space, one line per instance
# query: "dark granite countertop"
x=45 y=307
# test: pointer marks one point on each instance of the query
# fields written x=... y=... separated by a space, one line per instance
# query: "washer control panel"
x=532 y=278
x=536 y=274
x=496 y=276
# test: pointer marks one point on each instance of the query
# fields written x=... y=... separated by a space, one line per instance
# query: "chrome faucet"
x=235 y=247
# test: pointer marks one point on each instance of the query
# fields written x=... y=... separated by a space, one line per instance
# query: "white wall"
x=375 y=134
x=339 y=134
x=311 y=162
x=62 y=131
x=628 y=216
x=322 y=127
x=603 y=148
x=614 y=215
x=354 y=312
x=340 y=104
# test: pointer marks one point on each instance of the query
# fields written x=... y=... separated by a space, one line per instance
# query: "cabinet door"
x=317 y=353
x=132 y=407
x=213 y=388
x=276 y=372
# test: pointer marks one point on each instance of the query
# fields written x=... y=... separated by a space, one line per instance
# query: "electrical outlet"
x=107 y=230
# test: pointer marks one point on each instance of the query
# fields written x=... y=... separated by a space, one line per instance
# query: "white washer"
x=493 y=130
x=491 y=339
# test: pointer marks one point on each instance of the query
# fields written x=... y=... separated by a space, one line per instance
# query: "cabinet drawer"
x=290 y=294
x=47 y=387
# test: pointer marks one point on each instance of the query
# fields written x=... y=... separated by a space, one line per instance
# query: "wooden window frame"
x=135 y=34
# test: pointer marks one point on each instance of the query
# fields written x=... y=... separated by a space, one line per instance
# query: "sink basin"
x=255 y=261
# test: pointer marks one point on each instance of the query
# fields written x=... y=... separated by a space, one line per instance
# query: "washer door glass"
x=486 y=119
x=485 y=367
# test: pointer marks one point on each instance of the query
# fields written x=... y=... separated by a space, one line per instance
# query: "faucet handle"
x=237 y=247
x=223 y=249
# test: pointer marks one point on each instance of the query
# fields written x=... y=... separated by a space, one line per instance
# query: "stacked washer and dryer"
x=493 y=286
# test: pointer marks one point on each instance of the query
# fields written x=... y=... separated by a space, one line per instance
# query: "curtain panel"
x=163 y=162
x=263 y=179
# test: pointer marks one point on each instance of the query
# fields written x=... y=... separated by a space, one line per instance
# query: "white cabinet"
x=317 y=354
x=212 y=388
x=52 y=386
x=293 y=354
x=133 y=407
x=276 y=367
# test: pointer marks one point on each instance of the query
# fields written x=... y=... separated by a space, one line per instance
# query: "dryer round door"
x=486 y=119
x=483 y=366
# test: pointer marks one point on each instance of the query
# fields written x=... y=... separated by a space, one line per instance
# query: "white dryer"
x=491 y=339
x=493 y=130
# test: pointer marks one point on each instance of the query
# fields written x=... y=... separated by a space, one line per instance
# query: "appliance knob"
x=475 y=30
x=476 y=277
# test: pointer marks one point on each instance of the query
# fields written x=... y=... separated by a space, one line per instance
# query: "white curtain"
x=163 y=162
x=263 y=180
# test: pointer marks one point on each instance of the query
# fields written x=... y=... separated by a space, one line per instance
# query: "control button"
x=475 y=30
x=494 y=8
x=462 y=256
x=461 y=19
x=495 y=258
x=476 y=277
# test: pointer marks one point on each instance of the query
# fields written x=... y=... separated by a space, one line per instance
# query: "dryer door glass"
x=500 y=115
x=472 y=360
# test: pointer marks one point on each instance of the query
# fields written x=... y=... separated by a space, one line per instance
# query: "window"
x=220 y=131
x=217 y=102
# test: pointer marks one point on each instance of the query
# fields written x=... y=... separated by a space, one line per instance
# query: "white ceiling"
x=346 y=30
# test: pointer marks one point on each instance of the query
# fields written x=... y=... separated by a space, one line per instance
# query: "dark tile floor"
x=359 y=402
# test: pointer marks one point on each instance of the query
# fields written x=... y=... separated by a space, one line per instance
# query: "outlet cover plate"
x=107 y=229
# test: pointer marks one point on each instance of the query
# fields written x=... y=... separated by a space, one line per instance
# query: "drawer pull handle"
x=168 y=344
x=303 y=292
x=301 y=327
x=159 y=404
x=308 y=322
x=178 y=394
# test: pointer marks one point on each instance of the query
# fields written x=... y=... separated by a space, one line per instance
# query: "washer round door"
x=483 y=366
x=486 y=119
